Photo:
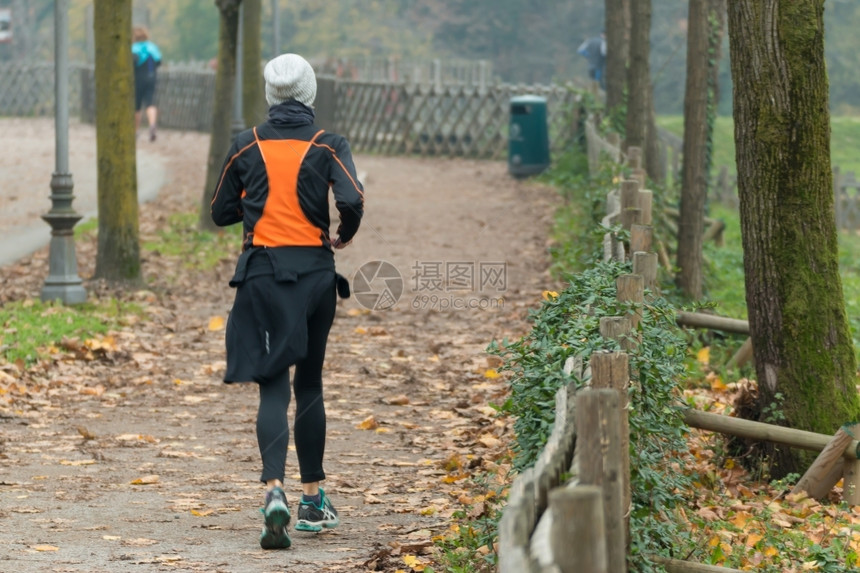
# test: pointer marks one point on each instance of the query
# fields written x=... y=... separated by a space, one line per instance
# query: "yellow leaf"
x=713 y=541
x=704 y=355
x=413 y=562
x=145 y=480
x=45 y=548
x=360 y=330
x=382 y=430
x=753 y=538
x=491 y=373
x=740 y=519
x=429 y=510
x=716 y=382
x=549 y=295
x=771 y=551
x=729 y=464
x=368 y=423
x=77 y=462
x=216 y=323
x=357 y=311
x=203 y=513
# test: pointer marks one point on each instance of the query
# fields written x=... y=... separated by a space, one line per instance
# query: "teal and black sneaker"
x=314 y=517
x=276 y=518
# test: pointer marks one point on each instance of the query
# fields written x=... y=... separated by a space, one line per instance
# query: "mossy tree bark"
x=254 y=106
x=694 y=184
x=803 y=348
x=118 y=258
x=617 y=52
x=222 y=106
x=638 y=74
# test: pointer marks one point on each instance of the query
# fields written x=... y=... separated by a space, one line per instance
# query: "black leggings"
x=273 y=432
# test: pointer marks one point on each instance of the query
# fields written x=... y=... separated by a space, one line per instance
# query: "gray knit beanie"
x=290 y=76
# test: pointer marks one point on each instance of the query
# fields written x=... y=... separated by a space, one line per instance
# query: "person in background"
x=147 y=59
x=276 y=180
x=594 y=51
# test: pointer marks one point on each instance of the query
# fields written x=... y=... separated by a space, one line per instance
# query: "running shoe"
x=314 y=517
x=276 y=518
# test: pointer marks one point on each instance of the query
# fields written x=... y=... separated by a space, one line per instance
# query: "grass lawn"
x=844 y=141
x=725 y=285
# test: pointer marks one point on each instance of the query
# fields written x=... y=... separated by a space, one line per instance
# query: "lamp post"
x=238 y=121
x=63 y=282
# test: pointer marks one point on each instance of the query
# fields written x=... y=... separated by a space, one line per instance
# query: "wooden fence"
x=449 y=120
x=570 y=511
x=392 y=117
x=28 y=89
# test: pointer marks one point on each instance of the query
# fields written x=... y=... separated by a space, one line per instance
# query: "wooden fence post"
x=599 y=462
x=640 y=238
x=851 y=474
x=578 y=537
x=612 y=370
x=645 y=265
x=630 y=288
x=646 y=199
x=819 y=479
x=617 y=328
x=630 y=210
x=634 y=157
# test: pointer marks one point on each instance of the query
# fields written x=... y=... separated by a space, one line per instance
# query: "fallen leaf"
x=45 y=548
x=400 y=400
x=369 y=423
x=145 y=480
x=87 y=435
x=489 y=440
x=216 y=323
x=203 y=513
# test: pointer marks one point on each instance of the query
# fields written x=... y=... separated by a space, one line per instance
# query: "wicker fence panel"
x=450 y=120
x=27 y=89
x=184 y=99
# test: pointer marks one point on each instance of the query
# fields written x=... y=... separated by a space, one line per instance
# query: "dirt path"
x=468 y=244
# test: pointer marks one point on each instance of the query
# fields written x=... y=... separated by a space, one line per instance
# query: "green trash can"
x=528 y=139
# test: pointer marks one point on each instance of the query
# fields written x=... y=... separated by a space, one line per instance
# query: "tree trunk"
x=222 y=109
x=118 y=256
x=254 y=106
x=704 y=38
x=802 y=345
x=617 y=51
x=654 y=164
x=694 y=184
x=638 y=74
